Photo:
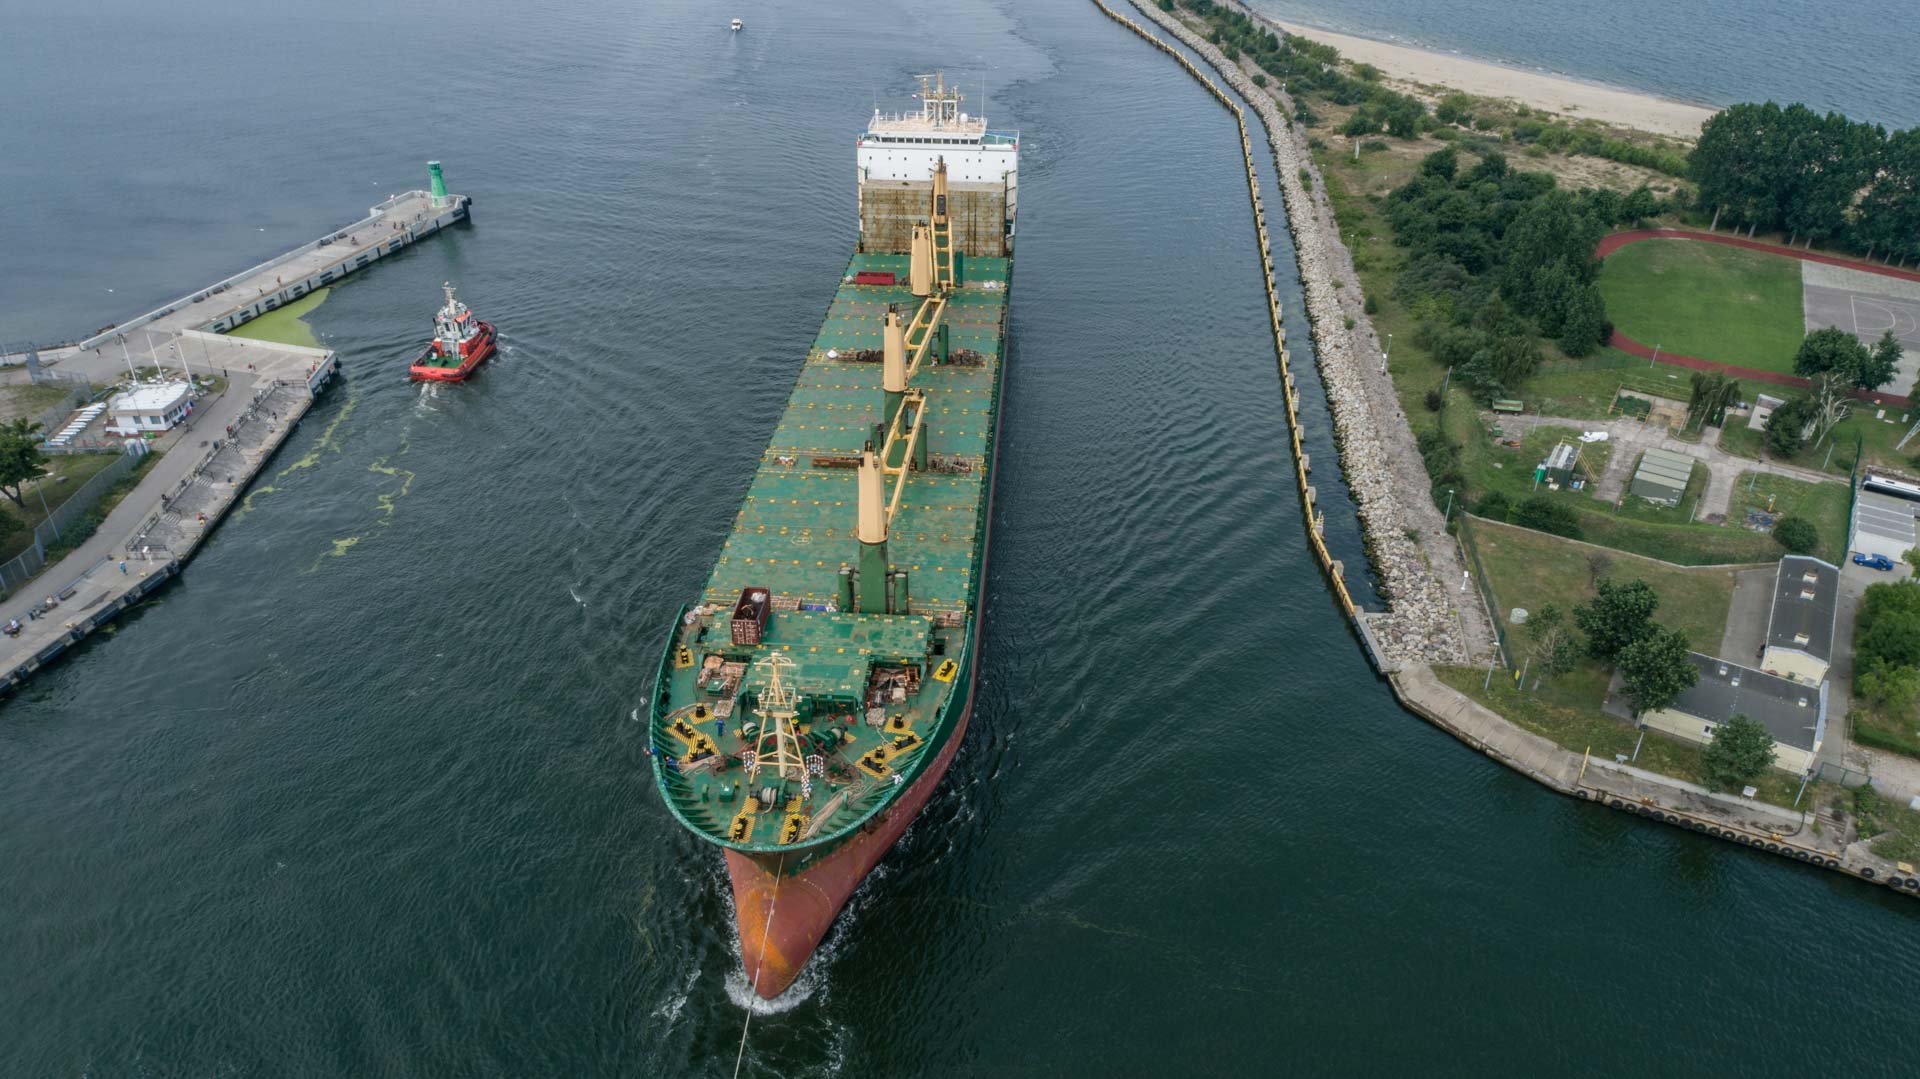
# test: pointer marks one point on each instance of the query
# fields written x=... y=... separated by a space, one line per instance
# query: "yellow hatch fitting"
x=946 y=671
x=793 y=827
x=897 y=724
x=683 y=730
x=874 y=763
x=742 y=826
x=905 y=743
x=682 y=659
x=700 y=746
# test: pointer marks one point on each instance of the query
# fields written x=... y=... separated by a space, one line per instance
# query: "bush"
x=1306 y=179
x=1435 y=402
x=1372 y=307
x=1796 y=534
x=1494 y=506
x=1548 y=515
x=1260 y=80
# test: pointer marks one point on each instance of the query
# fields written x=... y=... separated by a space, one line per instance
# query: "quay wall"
x=1368 y=422
x=353 y=258
x=212 y=488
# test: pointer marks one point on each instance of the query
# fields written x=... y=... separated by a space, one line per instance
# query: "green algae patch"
x=285 y=325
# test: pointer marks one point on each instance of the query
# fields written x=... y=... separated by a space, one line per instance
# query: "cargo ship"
x=460 y=344
x=808 y=702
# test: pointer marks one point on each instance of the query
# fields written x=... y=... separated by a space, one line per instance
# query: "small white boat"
x=738 y=26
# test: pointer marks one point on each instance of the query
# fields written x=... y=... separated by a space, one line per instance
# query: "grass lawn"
x=67 y=474
x=1698 y=299
x=1825 y=504
x=1530 y=569
x=1568 y=713
x=30 y=400
x=1893 y=733
x=1636 y=526
x=285 y=325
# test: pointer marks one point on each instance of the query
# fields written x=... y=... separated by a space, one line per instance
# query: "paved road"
x=95 y=565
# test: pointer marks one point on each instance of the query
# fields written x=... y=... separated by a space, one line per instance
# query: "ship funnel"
x=920 y=268
x=437 y=184
x=872 y=572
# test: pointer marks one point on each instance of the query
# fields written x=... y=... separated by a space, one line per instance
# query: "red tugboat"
x=460 y=344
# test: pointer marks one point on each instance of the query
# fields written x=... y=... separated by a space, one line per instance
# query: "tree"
x=1441 y=163
x=1832 y=399
x=1548 y=515
x=1741 y=751
x=1796 y=534
x=20 y=457
x=1891 y=687
x=1786 y=428
x=1551 y=642
x=1598 y=563
x=1893 y=638
x=1834 y=349
x=1654 y=669
x=1711 y=395
x=1618 y=615
x=1585 y=325
x=1885 y=357
x=1454 y=109
x=1641 y=204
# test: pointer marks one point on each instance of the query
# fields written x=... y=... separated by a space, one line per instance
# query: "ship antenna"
x=448 y=285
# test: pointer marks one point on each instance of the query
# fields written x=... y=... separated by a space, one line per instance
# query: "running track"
x=1634 y=348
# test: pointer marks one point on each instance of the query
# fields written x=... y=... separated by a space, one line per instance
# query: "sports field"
x=1713 y=302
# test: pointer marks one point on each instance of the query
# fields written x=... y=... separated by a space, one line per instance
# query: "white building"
x=149 y=409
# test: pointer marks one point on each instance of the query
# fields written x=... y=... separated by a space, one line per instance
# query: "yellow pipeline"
x=1315 y=526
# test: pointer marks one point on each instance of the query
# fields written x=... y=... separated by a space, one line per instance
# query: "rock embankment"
x=1429 y=620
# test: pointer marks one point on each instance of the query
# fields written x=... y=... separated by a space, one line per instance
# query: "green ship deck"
x=876 y=694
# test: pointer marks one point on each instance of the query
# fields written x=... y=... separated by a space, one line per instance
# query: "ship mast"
x=777 y=746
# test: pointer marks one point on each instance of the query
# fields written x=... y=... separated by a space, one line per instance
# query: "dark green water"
x=380 y=807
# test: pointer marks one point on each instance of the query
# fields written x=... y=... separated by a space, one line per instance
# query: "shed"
x=1560 y=464
x=1883 y=524
x=147 y=409
x=1800 y=627
x=1763 y=406
x=1794 y=713
x=1662 y=476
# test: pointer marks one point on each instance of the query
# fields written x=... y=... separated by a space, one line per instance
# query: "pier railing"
x=373 y=216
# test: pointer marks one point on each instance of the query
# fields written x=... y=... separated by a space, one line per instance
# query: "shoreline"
x=1564 y=94
x=1346 y=361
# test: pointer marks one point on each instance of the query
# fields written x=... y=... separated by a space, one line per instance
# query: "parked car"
x=1873 y=561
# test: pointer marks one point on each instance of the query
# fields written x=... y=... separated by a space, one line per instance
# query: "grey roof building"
x=1794 y=713
x=1800 y=628
x=1662 y=476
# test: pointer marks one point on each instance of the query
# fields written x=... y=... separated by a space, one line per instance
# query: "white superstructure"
x=905 y=146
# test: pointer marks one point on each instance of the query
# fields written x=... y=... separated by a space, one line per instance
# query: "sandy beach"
x=1552 y=93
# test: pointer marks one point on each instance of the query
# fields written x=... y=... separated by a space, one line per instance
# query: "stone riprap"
x=1429 y=618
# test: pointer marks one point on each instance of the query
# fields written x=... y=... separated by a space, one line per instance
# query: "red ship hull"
x=804 y=904
x=474 y=353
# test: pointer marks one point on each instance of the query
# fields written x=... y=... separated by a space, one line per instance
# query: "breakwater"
x=159 y=525
x=1405 y=534
x=1393 y=496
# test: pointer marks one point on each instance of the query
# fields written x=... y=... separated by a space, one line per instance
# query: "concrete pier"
x=228 y=438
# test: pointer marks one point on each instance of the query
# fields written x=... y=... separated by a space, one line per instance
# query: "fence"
x=1494 y=613
x=20 y=569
